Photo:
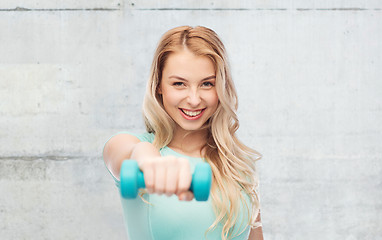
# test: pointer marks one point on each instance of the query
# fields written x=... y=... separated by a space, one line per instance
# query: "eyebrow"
x=183 y=79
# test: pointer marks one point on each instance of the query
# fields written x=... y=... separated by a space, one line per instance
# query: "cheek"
x=170 y=98
x=213 y=99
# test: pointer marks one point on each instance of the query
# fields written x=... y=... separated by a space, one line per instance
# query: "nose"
x=194 y=98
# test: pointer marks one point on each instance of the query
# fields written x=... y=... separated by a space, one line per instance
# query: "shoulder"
x=125 y=138
x=142 y=137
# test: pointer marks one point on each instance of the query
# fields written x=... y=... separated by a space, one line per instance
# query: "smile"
x=191 y=115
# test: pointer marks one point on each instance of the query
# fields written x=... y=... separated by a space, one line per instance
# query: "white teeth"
x=192 y=114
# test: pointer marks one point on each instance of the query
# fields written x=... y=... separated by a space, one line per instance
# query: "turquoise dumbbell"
x=132 y=180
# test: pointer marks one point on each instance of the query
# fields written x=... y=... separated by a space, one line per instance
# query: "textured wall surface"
x=308 y=74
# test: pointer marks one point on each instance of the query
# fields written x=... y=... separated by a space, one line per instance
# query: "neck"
x=189 y=143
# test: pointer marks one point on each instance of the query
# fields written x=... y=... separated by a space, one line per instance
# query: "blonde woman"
x=190 y=116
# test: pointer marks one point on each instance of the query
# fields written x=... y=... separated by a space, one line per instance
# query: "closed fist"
x=167 y=175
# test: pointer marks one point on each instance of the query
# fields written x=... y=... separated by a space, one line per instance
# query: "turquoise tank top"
x=167 y=218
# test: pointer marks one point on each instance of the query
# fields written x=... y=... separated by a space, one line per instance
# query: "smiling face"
x=188 y=89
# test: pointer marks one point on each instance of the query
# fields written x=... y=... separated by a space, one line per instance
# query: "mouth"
x=191 y=115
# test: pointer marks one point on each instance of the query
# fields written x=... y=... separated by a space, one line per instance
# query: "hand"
x=167 y=175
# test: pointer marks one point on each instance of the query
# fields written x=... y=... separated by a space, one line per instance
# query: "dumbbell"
x=132 y=179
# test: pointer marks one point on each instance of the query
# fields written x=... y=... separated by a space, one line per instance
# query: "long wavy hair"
x=232 y=162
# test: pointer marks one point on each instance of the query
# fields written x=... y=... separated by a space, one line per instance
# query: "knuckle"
x=182 y=188
x=172 y=160
x=170 y=191
x=184 y=162
x=149 y=185
x=147 y=165
x=159 y=189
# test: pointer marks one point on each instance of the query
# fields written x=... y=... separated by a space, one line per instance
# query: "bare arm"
x=256 y=233
x=169 y=174
x=125 y=146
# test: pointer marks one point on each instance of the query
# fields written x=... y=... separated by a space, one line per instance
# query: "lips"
x=191 y=115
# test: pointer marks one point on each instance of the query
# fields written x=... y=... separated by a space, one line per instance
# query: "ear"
x=159 y=90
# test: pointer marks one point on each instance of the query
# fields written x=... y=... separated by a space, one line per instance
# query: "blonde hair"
x=232 y=163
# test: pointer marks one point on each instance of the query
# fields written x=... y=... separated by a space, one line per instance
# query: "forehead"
x=188 y=65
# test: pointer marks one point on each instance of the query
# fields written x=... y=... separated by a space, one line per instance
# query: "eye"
x=208 y=84
x=178 y=84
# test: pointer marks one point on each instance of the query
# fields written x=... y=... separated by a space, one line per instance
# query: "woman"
x=190 y=116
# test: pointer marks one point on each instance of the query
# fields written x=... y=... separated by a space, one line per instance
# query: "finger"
x=160 y=179
x=186 y=196
x=149 y=176
x=171 y=180
x=185 y=177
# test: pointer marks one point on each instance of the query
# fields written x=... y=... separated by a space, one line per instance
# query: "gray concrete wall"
x=308 y=73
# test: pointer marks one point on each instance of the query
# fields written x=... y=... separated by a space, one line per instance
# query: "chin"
x=190 y=128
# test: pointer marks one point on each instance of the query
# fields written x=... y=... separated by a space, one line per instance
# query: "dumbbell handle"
x=132 y=179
